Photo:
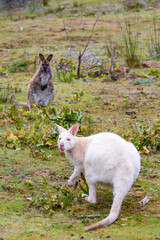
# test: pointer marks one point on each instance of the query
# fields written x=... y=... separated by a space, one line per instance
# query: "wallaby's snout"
x=62 y=147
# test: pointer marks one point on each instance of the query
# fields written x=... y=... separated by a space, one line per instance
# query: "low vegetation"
x=117 y=90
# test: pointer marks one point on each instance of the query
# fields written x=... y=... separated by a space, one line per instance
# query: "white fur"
x=104 y=158
x=45 y=77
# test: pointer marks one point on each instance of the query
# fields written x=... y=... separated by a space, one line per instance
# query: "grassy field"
x=35 y=201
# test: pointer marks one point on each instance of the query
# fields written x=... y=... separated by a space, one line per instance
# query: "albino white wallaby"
x=41 y=88
x=104 y=158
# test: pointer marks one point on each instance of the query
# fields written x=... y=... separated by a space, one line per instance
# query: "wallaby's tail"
x=106 y=221
x=114 y=212
x=26 y=105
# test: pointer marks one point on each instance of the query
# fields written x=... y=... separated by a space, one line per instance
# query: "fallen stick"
x=88 y=216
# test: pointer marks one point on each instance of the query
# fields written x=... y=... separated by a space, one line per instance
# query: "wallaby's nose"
x=62 y=147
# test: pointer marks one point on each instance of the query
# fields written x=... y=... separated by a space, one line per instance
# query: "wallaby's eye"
x=59 y=139
x=68 y=139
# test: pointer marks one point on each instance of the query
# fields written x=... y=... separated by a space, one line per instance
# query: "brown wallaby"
x=40 y=88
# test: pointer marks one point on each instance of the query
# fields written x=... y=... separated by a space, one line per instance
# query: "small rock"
x=85 y=79
x=130 y=112
x=139 y=88
x=131 y=75
x=2 y=74
x=149 y=64
x=6 y=187
x=104 y=71
x=82 y=237
x=144 y=201
x=97 y=74
x=72 y=234
x=123 y=69
x=108 y=236
x=42 y=235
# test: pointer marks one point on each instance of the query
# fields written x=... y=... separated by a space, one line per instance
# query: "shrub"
x=154 y=72
x=145 y=137
x=18 y=66
x=67 y=74
x=134 y=4
x=52 y=197
x=33 y=129
x=130 y=35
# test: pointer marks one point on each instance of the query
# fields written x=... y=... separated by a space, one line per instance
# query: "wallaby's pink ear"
x=74 y=129
x=49 y=57
x=41 y=57
x=60 y=129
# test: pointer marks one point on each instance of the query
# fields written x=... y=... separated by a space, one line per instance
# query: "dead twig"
x=88 y=216
x=90 y=36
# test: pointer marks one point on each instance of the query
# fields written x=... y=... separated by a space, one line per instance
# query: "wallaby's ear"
x=60 y=129
x=74 y=129
x=49 y=57
x=41 y=57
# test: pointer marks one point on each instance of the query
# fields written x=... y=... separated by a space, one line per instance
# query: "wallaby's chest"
x=43 y=94
x=72 y=160
x=44 y=78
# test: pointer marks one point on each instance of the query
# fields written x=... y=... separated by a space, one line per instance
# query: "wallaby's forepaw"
x=90 y=200
x=70 y=182
x=73 y=182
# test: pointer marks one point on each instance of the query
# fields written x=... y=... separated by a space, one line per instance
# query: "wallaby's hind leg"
x=119 y=194
x=92 y=193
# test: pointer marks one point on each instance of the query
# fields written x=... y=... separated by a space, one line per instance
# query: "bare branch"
x=90 y=36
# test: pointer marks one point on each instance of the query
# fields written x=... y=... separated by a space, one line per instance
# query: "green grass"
x=20 y=220
x=26 y=162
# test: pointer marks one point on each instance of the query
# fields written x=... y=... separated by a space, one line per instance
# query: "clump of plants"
x=145 y=137
x=154 y=72
x=133 y=4
x=52 y=197
x=18 y=66
x=67 y=117
x=130 y=34
x=35 y=129
x=65 y=74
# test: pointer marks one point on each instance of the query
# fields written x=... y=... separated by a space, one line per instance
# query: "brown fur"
x=40 y=87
